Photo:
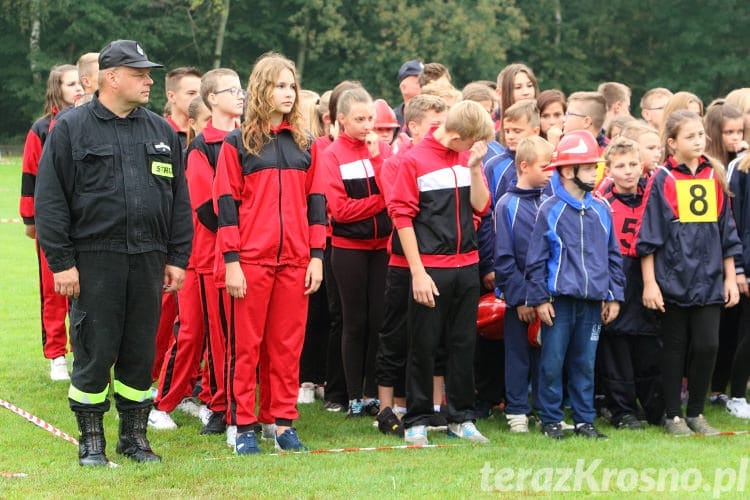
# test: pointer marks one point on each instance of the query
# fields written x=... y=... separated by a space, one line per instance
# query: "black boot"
x=133 y=442
x=91 y=444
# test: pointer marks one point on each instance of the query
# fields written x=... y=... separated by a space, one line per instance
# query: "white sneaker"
x=306 y=393
x=160 y=420
x=187 y=405
x=268 y=432
x=59 y=369
x=518 y=423
x=204 y=414
x=417 y=435
x=231 y=435
x=466 y=430
x=738 y=407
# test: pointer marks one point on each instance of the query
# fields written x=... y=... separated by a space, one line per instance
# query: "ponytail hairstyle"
x=333 y=103
x=350 y=97
x=256 y=129
x=195 y=109
x=672 y=126
x=53 y=98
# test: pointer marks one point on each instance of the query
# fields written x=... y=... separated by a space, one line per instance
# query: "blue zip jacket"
x=688 y=256
x=575 y=251
x=739 y=185
x=500 y=172
x=515 y=214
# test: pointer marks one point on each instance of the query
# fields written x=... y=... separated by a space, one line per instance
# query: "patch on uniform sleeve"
x=595 y=332
x=161 y=169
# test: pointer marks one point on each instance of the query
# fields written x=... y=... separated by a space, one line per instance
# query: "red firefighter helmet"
x=534 y=333
x=575 y=148
x=490 y=316
x=384 y=115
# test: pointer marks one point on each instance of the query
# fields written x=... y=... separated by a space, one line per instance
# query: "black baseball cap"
x=125 y=53
x=409 y=68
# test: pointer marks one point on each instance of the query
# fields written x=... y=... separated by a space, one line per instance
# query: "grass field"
x=202 y=466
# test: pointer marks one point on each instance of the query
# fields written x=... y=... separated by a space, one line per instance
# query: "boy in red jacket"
x=439 y=191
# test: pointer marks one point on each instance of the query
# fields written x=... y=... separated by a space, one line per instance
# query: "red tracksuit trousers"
x=183 y=356
x=266 y=327
x=54 y=309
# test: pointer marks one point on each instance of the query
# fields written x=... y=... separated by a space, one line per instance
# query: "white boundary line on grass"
x=43 y=424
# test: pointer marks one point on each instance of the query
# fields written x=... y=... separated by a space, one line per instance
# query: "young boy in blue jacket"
x=515 y=214
x=575 y=281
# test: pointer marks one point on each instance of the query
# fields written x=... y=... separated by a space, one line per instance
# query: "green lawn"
x=201 y=466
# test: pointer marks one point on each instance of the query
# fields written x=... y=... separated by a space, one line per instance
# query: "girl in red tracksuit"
x=687 y=241
x=63 y=90
x=361 y=228
x=271 y=234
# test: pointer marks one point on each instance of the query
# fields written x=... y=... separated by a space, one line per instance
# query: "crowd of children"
x=627 y=239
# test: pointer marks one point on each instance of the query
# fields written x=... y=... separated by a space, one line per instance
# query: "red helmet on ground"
x=534 y=333
x=384 y=115
x=490 y=316
x=575 y=148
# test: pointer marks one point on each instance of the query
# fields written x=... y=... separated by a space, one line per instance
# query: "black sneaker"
x=553 y=431
x=388 y=423
x=629 y=421
x=356 y=409
x=217 y=424
x=589 y=431
x=719 y=399
x=333 y=406
x=372 y=407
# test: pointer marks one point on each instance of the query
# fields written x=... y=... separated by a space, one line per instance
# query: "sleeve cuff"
x=231 y=257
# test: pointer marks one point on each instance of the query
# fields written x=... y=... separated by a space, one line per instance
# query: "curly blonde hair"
x=256 y=129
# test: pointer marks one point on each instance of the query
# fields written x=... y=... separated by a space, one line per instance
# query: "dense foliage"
x=681 y=44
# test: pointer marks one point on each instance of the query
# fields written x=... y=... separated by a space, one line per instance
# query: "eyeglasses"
x=235 y=91
x=655 y=109
x=570 y=113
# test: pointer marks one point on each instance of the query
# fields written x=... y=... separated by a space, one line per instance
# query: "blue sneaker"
x=356 y=409
x=246 y=443
x=289 y=441
x=416 y=434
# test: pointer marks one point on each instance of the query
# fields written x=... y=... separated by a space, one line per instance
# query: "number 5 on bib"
x=696 y=200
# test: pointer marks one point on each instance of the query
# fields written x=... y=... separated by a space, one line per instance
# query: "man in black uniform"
x=113 y=217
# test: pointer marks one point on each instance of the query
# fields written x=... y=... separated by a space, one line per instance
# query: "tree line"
x=694 y=45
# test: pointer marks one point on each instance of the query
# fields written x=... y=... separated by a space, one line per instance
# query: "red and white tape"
x=39 y=422
x=43 y=424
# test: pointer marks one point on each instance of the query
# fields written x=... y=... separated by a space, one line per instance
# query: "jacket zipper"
x=281 y=216
x=369 y=194
x=458 y=213
x=583 y=260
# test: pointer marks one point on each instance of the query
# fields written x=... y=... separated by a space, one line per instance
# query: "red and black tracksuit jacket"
x=32 y=152
x=263 y=191
x=203 y=153
x=432 y=193
x=359 y=220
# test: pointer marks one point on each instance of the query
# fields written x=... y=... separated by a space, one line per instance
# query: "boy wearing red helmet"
x=575 y=281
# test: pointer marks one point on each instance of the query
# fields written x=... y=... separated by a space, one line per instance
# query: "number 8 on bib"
x=696 y=200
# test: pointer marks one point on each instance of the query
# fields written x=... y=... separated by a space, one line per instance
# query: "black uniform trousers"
x=113 y=323
x=452 y=324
